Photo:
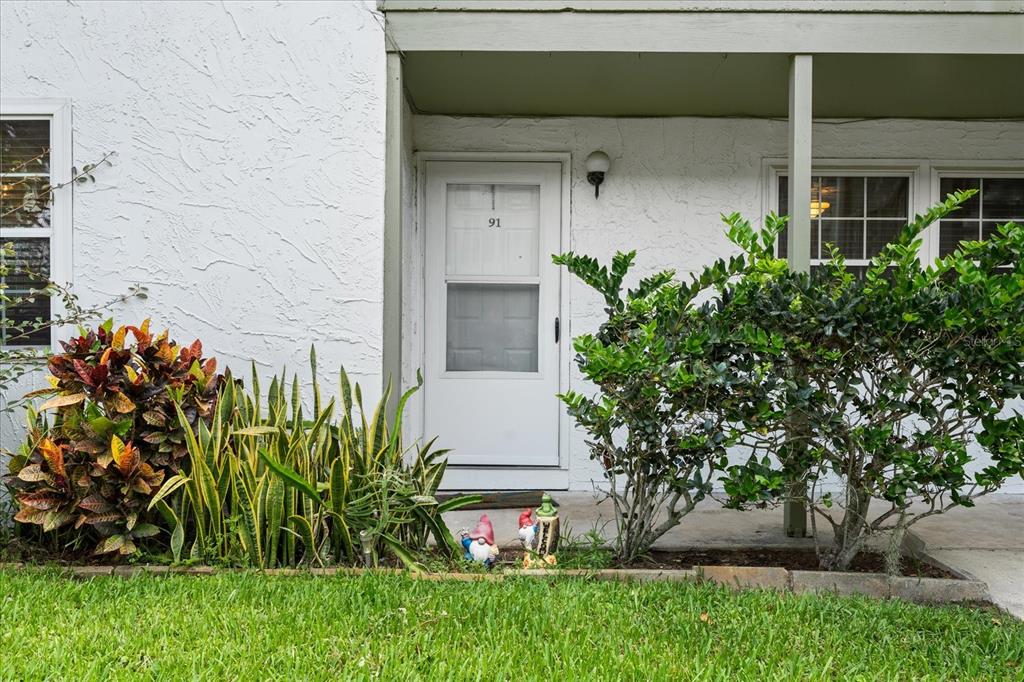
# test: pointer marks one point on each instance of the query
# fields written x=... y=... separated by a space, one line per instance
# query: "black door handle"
x=558 y=330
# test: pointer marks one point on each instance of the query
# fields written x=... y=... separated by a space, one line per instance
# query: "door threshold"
x=502 y=499
x=493 y=479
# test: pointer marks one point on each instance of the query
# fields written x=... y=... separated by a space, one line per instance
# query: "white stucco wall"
x=671 y=178
x=247 y=192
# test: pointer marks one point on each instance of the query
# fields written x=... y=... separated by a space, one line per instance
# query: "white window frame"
x=908 y=168
x=967 y=169
x=58 y=112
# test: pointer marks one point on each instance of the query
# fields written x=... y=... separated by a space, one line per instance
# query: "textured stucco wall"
x=671 y=178
x=247 y=192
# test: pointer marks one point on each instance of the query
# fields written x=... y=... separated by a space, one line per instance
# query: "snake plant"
x=268 y=486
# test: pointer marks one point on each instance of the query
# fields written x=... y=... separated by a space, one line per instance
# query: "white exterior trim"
x=391 y=328
x=924 y=181
x=60 y=233
x=504 y=478
x=469 y=477
x=800 y=124
x=937 y=169
x=916 y=169
x=715 y=32
x=794 y=6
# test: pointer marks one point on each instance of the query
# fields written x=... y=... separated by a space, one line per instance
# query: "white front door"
x=491 y=316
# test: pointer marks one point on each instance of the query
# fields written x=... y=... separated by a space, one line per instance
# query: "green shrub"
x=115 y=434
x=674 y=373
x=267 y=487
x=888 y=384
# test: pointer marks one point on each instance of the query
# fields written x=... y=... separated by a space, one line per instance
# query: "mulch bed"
x=794 y=559
x=783 y=557
x=800 y=559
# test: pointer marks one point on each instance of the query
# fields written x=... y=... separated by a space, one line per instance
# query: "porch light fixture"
x=598 y=164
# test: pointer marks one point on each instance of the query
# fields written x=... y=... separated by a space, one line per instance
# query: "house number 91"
x=494 y=222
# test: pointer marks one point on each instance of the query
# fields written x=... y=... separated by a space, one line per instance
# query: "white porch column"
x=799 y=171
x=392 y=342
x=799 y=237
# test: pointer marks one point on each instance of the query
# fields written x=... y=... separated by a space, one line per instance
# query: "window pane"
x=28 y=269
x=783 y=210
x=19 y=323
x=968 y=209
x=784 y=196
x=24 y=173
x=783 y=247
x=493 y=230
x=989 y=228
x=23 y=202
x=844 y=196
x=492 y=327
x=25 y=146
x=1003 y=199
x=857 y=271
x=952 y=232
x=848 y=235
x=888 y=197
x=30 y=266
x=783 y=250
x=881 y=233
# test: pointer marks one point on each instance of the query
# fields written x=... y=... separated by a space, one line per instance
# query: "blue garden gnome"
x=479 y=544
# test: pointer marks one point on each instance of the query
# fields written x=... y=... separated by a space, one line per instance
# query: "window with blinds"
x=25 y=228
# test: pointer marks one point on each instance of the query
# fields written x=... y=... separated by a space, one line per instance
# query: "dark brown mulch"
x=792 y=558
x=784 y=557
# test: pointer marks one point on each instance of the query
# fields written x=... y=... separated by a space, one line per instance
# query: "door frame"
x=483 y=477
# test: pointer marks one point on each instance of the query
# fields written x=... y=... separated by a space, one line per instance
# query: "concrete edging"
x=875 y=585
x=916 y=547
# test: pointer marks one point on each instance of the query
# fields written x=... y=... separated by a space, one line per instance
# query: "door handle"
x=558 y=330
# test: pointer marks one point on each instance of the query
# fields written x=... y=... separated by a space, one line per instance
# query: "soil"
x=791 y=558
x=801 y=559
x=798 y=559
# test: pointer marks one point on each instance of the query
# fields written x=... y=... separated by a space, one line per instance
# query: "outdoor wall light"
x=597 y=165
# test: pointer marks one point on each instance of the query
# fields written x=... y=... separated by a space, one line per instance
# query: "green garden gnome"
x=540 y=537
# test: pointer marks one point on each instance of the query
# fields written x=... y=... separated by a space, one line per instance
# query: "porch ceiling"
x=707 y=84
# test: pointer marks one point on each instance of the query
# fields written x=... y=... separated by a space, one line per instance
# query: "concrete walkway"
x=986 y=541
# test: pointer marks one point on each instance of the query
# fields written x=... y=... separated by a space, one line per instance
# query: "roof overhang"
x=659 y=84
x=780 y=27
x=937 y=59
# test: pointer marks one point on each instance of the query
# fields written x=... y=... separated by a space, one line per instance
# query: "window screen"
x=25 y=210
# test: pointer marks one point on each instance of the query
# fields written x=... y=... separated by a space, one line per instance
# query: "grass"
x=250 y=626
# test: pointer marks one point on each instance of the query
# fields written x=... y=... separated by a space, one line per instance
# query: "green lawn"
x=249 y=627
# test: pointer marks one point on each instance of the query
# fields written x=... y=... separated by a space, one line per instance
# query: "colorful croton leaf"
x=114 y=437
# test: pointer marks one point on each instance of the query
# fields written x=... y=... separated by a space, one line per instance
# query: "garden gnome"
x=479 y=544
x=547 y=527
x=527 y=529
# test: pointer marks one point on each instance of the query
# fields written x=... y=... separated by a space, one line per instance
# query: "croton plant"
x=114 y=437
